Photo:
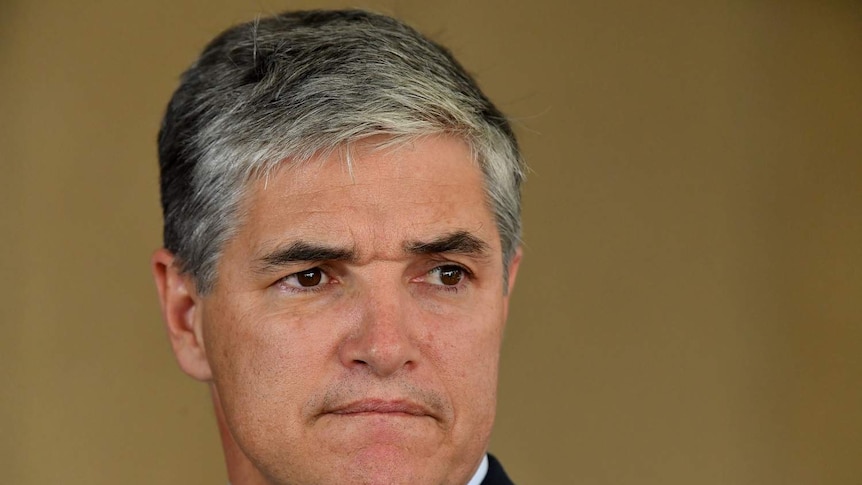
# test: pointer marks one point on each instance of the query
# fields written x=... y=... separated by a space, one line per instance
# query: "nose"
x=383 y=342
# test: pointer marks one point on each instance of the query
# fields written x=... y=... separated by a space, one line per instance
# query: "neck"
x=240 y=470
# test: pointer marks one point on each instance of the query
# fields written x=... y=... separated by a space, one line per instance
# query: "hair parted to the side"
x=302 y=84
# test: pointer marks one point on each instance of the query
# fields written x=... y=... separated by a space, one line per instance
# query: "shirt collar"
x=480 y=473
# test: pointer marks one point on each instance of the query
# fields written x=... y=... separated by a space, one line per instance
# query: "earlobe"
x=181 y=313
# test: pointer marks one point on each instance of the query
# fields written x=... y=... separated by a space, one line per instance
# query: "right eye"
x=308 y=279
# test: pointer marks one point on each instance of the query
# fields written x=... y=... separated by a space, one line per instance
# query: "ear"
x=181 y=311
x=514 y=264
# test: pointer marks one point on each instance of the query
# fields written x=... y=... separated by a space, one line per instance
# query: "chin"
x=374 y=467
x=378 y=464
x=388 y=457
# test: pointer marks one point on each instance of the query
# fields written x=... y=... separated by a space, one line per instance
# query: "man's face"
x=354 y=331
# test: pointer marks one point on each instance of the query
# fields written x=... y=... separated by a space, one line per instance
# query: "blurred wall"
x=689 y=309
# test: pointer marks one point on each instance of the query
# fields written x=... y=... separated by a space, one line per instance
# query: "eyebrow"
x=460 y=242
x=299 y=252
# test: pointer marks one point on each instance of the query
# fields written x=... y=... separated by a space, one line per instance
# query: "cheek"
x=473 y=389
x=261 y=367
x=470 y=358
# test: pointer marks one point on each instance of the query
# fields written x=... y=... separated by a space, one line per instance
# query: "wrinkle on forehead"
x=412 y=192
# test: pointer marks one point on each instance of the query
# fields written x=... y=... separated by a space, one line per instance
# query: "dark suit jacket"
x=496 y=475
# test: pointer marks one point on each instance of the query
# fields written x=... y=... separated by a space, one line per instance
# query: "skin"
x=354 y=331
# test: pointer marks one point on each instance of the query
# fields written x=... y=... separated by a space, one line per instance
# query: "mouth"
x=382 y=407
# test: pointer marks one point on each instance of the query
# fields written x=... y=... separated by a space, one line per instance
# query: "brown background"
x=689 y=310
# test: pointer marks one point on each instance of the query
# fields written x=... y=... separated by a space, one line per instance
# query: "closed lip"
x=382 y=406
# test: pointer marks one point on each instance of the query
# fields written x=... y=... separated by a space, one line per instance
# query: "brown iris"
x=451 y=275
x=309 y=278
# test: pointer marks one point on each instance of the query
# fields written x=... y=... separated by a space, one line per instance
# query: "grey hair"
x=301 y=84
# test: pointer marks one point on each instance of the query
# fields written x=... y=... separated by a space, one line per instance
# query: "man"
x=342 y=220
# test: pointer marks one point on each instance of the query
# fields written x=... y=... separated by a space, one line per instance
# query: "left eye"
x=310 y=278
x=448 y=275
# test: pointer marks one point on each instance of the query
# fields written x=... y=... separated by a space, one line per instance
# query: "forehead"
x=371 y=194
